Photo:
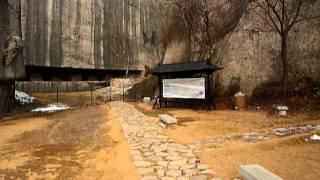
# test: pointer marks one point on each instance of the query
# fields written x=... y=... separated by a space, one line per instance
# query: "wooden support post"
x=160 y=91
x=14 y=94
x=208 y=91
x=166 y=102
x=110 y=92
x=135 y=95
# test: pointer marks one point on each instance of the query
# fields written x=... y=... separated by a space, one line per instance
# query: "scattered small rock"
x=142 y=163
x=315 y=137
x=174 y=173
x=203 y=166
x=145 y=171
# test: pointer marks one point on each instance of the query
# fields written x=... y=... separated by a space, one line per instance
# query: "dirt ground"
x=85 y=143
x=290 y=157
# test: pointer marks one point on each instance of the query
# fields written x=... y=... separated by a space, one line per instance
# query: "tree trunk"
x=284 y=59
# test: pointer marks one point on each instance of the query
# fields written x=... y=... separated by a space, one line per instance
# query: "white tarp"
x=52 y=108
x=184 y=88
x=23 y=98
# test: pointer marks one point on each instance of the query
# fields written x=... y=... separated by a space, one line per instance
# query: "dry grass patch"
x=290 y=158
x=195 y=125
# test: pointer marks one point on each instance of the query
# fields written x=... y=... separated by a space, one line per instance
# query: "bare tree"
x=201 y=22
x=281 y=16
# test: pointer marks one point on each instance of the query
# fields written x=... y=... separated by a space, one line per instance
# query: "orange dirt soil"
x=85 y=143
x=291 y=157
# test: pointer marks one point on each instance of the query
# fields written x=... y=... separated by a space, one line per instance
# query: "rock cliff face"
x=100 y=34
x=11 y=62
x=10 y=29
x=107 y=34
x=252 y=58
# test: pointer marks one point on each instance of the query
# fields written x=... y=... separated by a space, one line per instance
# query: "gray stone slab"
x=280 y=108
x=167 y=119
x=257 y=172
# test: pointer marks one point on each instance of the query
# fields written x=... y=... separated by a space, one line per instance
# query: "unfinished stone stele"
x=166 y=120
x=280 y=109
x=257 y=172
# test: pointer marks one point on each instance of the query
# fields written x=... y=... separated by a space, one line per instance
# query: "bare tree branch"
x=282 y=16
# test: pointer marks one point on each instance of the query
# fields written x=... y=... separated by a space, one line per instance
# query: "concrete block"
x=146 y=100
x=281 y=110
x=167 y=119
x=163 y=125
x=257 y=172
x=280 y=107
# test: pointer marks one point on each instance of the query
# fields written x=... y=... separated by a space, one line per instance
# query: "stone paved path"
x=153 y=153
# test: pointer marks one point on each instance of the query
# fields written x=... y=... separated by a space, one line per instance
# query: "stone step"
x=257 y=172
x=165 y=118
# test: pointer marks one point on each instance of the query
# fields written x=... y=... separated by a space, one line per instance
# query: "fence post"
x=123 y=91
x=110 y=91
x=57 y=94
x=91 y=94
x=14 y=94
x=135 y=94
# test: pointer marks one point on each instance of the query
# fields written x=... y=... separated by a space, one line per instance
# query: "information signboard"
x=184 y=88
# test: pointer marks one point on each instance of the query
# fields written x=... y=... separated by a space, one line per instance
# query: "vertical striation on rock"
x=85 y=34
x=55 y=48
x=10 y=32
x=11 y=61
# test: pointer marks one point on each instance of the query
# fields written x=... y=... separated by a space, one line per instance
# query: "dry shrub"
x=275 y=90
x=224 y=96
x=144 y=88
x=299 y=95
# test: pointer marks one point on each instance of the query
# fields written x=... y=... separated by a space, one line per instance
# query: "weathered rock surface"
x=11 y=62
x=251 y=58
x=90 y=33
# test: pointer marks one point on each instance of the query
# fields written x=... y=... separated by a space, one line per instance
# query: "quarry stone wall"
x=11 y=61
x=10 y=30
x=252 y=58
x=93 y=34
x=96 y=34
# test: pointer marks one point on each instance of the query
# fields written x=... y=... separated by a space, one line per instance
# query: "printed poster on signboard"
x=184 y=88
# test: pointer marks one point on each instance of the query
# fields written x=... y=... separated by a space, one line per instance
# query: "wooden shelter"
x=199 y=71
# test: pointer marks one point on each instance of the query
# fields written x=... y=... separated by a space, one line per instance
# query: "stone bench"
x=166 y=120
x=146 y=100
x=257 y=172
x=281 y=110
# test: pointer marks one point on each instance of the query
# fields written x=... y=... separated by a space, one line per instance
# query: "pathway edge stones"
x=153 y=153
